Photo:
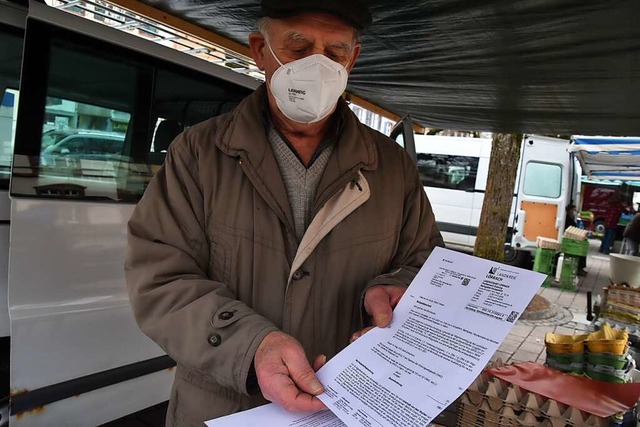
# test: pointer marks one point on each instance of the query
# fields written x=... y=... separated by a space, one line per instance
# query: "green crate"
x=569 y=272
x=543 y=261
x=574 y=247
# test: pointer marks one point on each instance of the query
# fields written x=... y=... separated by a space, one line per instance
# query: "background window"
x=10 y=61
x=108 y=115
x=543 y=180
x=448 y=171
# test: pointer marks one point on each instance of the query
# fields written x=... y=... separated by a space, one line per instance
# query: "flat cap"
x=354 y=12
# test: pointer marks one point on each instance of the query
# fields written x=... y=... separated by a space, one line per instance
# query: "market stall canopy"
x=529 y=66
x=608 y=158
x=608 y=182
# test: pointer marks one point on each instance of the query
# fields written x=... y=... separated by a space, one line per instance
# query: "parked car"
x=82 y=145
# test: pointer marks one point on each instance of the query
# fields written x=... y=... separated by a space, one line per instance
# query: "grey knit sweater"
x=301 y=182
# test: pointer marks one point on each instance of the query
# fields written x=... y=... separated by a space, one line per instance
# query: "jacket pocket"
x=369 y=253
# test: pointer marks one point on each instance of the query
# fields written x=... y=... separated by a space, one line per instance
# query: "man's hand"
x=285 y=375
x=379 y=302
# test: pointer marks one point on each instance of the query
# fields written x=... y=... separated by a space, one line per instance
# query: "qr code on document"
x=513 y=316
x=465 y=281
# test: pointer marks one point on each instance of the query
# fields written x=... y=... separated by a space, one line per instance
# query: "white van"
x=454 y=172
x=87 y=113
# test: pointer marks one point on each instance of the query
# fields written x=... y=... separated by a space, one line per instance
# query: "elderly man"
x=273 y=234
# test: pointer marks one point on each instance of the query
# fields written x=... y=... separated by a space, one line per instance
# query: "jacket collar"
x=245 y=132
x=242 y=134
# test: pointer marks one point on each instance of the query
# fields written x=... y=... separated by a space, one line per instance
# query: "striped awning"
x=605 y=157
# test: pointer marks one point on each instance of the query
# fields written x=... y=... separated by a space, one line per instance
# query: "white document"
x=444 y=331
x=273 y=415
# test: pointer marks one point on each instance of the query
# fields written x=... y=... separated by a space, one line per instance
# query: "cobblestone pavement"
x=567 y=314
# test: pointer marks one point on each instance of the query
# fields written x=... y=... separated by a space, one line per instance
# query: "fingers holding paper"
x=319 y=362
x=379 y=302
x=285 y=375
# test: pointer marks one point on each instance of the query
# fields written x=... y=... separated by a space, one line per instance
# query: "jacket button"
x=215 y=340
x=297 y=275
x=225 y=315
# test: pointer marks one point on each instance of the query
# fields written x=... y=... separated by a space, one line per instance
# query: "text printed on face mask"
x=296 y=94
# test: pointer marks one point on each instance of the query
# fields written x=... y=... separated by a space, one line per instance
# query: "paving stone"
x=521 y=330
x=567 y=313
x=532 y=347
x=523 y=356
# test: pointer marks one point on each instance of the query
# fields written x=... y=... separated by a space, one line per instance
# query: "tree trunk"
x=503 y=164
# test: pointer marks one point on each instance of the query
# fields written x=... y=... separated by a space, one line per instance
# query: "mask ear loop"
x=272 y=53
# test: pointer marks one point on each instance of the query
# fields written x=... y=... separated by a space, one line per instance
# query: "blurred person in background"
x=611 y=223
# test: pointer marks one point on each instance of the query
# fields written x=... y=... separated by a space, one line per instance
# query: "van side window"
x=448 y=171
x=8 y=113
x=543 y=180
x=10 y=60
x=108 y=115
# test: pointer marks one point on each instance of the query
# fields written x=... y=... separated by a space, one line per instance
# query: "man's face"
x=304 y=35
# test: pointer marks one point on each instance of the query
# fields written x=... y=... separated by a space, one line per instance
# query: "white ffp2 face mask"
x=306 y=90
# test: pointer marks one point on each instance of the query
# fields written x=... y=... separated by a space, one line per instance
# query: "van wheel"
x=516 y=258
x=599 y=227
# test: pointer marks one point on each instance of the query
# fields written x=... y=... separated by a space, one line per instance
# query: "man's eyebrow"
x=341 y=45
x=296 y=36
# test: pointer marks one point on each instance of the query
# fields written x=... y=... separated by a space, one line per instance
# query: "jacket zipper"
x=353 y=177
x=356 y=183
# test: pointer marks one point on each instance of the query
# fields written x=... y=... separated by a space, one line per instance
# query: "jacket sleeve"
x=197 y=321
x=419 y=233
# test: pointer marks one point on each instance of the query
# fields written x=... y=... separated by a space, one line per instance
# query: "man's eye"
x=337 y=56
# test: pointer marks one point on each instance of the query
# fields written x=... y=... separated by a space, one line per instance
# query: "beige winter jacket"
x=213 y=264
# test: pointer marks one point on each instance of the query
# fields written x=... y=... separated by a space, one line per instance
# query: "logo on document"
x=493 y=274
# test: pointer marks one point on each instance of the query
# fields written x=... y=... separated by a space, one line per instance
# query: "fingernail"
x=382 y=320
x=324 y=359
x=317 y=387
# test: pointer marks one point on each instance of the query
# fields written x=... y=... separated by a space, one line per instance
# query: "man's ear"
x=257 y=45
x=356 y=53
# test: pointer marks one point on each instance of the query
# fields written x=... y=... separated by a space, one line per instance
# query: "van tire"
x=517 y=258
x=599 y=227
